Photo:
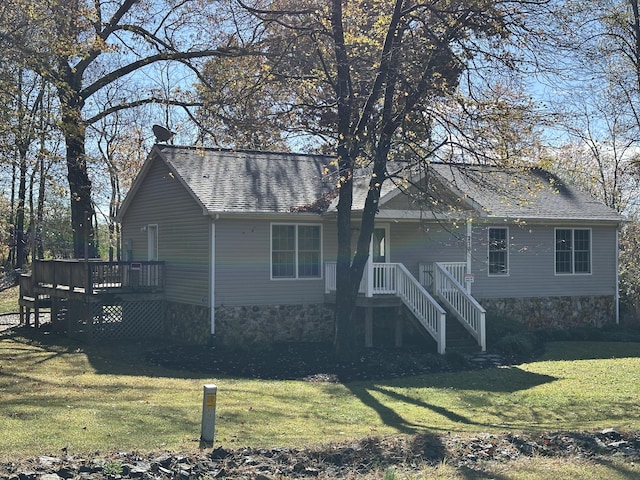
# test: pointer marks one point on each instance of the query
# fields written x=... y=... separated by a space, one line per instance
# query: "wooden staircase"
x=459 y=340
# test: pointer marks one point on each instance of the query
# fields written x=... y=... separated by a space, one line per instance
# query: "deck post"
x=399 y=329
x=88 y=288
x=368 y=327
x=36 y=310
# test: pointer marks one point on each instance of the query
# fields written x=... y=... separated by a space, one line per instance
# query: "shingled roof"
x=523 y=193
x=249 y=181
x=234 y=181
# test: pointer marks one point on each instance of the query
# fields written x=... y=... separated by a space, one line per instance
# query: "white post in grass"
x=208 y=427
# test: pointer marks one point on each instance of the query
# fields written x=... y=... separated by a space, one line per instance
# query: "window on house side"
x=296 y=251
x=573 y=251
x=498 y=251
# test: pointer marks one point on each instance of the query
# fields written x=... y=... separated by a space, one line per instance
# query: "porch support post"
x=368 y=272
x=398 y=328
x=368 y=327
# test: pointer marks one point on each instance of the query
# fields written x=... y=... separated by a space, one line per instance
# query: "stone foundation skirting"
x=257 y=326
x=260 y=326
x=554 y=312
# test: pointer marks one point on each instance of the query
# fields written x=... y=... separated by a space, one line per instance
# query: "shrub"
x=522 y=344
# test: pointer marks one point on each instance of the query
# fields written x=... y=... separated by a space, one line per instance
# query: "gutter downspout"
x=468 y=245
x=617 y=275
x=212 y=279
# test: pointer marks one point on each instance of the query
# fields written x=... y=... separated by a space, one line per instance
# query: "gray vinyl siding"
x=532 y=264
x=183 y=234
x=243 y=267
x=531 y=258
x=414 y=243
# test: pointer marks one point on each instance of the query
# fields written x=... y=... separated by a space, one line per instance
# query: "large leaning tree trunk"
x=417 y=66
x=352 y=138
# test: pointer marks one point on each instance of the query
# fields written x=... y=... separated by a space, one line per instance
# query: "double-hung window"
x=498 y=251
x=296 y=251
x=573 y=251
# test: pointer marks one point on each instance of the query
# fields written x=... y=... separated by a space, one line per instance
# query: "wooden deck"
x=86 y=283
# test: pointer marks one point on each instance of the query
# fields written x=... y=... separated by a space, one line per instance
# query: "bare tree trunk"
x=20 y=213
x=82 y=209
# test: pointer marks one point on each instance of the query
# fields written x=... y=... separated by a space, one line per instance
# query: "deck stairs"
x=429 y=309
x=459 y=340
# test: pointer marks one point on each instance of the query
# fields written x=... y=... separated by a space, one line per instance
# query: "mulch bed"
x=311 y=362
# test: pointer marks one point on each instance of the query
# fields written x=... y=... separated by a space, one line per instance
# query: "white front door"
x=380 y=254
x=379 y=245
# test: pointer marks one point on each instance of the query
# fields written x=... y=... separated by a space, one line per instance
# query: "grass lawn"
x=91 y=398
x=9 y=300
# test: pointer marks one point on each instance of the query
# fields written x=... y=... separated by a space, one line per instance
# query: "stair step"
x=459 y=340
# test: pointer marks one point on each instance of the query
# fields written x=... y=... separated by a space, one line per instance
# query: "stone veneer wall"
x=554 y=312
x=250 y=327
x=263 y=325
x=188 y=323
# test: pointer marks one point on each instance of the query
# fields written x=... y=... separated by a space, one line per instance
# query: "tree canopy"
x=101 y=58
x=372 y=82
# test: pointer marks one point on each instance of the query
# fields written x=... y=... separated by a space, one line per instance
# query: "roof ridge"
x=241 y=150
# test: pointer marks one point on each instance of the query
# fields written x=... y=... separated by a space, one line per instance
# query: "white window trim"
x=573 y=265
x=296 y=225
x=508 y=238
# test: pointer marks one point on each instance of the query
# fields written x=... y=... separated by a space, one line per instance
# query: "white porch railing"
x=427 y=275
x=450 y=290
x=395 y=279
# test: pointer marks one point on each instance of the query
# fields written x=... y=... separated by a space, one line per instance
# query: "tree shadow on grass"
x=129 y=357
x=499 y=380
x=393 y=419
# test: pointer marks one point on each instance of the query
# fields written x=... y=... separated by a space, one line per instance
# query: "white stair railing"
x=395 y=279
x=462 y=304
x=456 y=269
x=423 y=306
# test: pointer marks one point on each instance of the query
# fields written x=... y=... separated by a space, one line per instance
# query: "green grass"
x=9 y=300
x=89 y=399
x=538 y=468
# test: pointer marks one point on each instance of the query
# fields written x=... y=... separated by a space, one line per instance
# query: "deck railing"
x=451 y=292
x=97 y=275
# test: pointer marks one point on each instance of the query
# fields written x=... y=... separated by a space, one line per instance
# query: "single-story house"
x=249 y=243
